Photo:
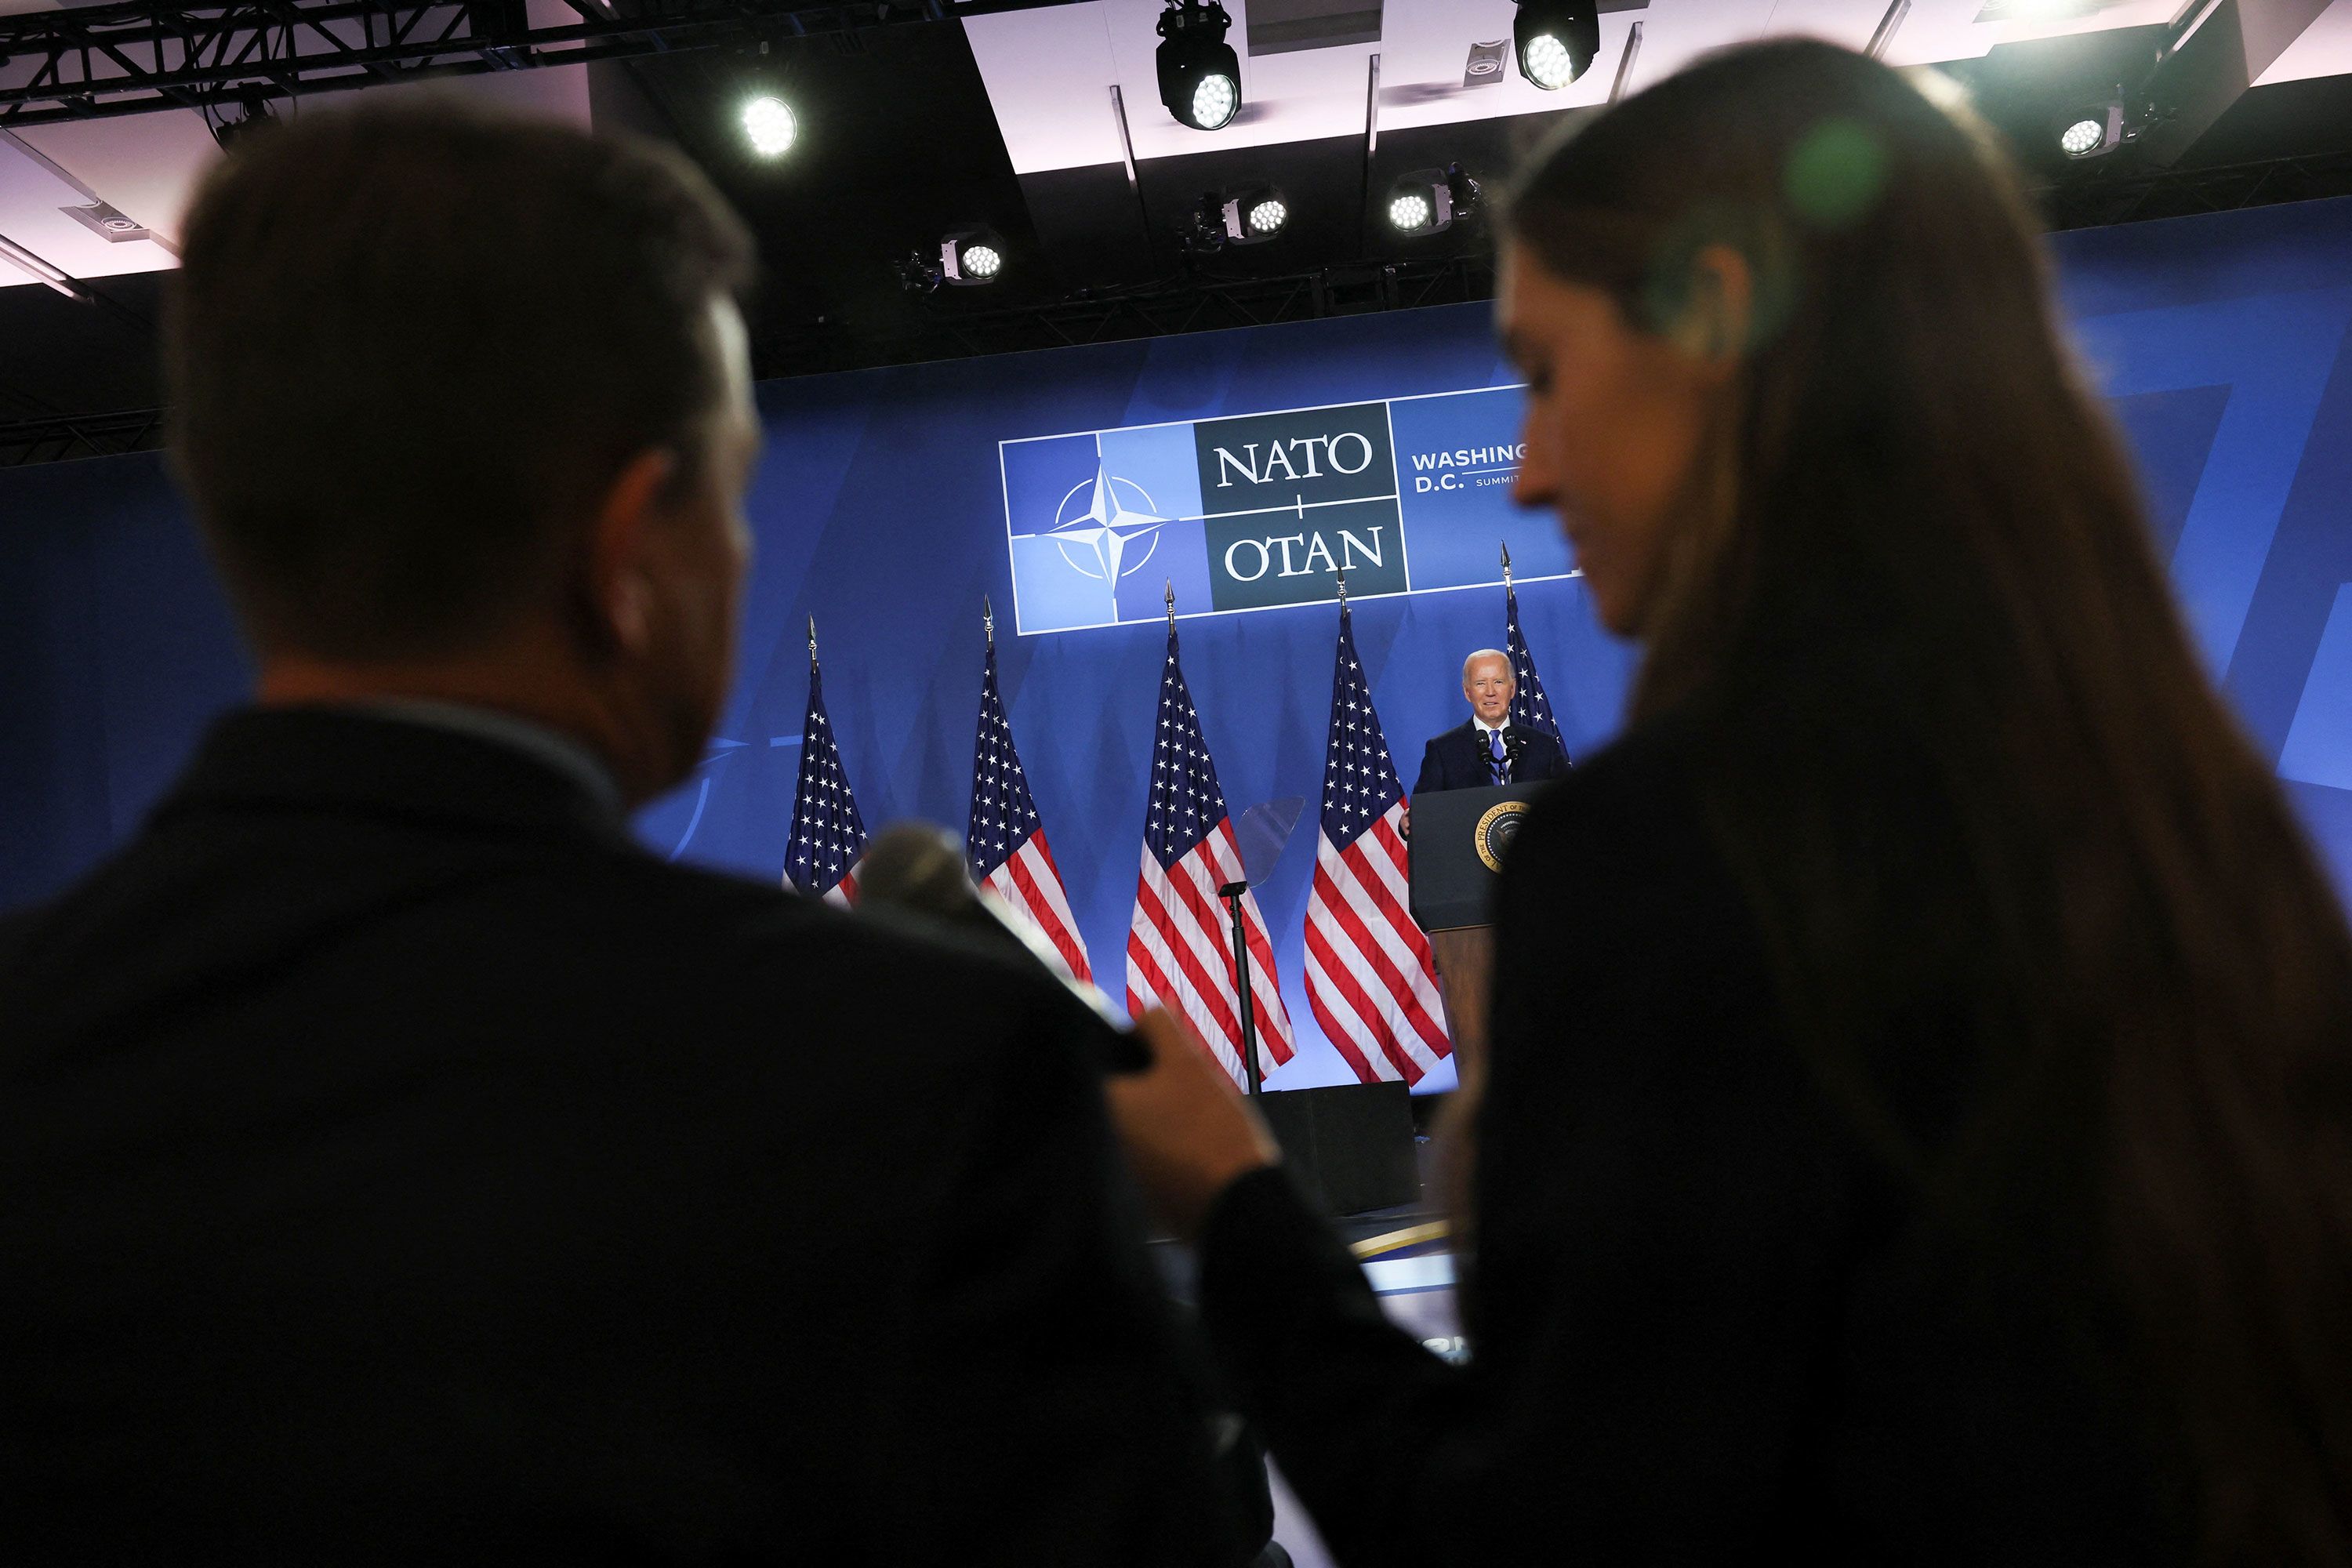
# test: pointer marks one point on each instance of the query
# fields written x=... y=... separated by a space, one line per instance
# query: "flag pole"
x=1232 y=893
x=812 y=642
x=988 y=621
x=1506 y=566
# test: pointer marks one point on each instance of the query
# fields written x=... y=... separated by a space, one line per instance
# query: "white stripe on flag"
x=1030 y=883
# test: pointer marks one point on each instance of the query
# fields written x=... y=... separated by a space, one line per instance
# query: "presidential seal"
x=1493 y=836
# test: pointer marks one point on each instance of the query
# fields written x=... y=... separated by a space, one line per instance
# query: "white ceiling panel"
x=2323 y=49
x=1939 y=30
x=1425 y=47
x=1048 y=70
x=33 y=199
x=145 y=164
x=1049 y=74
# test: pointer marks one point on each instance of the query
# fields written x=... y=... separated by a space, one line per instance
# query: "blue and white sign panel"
x=1406 y=495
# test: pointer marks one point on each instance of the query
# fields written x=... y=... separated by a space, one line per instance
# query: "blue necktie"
x=1498 y=760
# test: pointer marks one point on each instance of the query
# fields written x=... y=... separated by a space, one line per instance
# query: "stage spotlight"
x=770 y=126
x=2093 y=130
x=231 y=132
x=1239 y=215
x=1200 y=75
x=1246 y=214
x=972 y=256
x=1428 y=201
x=1556 y=40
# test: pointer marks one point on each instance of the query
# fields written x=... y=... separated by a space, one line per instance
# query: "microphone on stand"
x=1515 y=745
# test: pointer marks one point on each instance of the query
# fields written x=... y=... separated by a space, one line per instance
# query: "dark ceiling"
x=899 y=145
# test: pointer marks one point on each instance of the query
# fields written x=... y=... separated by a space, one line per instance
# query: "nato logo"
x=1259 y=510
x=1098 y=523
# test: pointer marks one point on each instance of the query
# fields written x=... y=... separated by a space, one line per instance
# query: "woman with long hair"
x=1920 y=1119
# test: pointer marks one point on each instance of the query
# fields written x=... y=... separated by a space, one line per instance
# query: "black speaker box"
x=1351 y=1146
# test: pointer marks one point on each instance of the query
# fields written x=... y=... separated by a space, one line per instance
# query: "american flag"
x=1369 y=976
x=1005 y=842
x=1180 y=946
x=828 y=836
x=1529 y=710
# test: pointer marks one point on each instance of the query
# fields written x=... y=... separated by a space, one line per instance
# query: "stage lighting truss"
x=770 y=126
x=1200 y=75
x=1555 y=40
x=1247 y=214
x=1430 y=201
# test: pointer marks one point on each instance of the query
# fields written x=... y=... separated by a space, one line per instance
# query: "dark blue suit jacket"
x=396 y=1165
x=1457 y=760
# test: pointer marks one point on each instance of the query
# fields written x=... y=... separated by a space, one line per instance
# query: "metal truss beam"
x=951 y=330
x=98 y=61
x=945 y=330
x=2180 y=192
x=61 y=438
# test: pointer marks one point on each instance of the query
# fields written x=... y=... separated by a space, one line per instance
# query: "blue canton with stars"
x=1003 y=813
x=1186 y=804
x=1529 y=709
x=1360 y=782
x=828 y=836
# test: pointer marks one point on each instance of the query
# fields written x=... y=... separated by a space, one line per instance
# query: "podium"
x=1459 y=838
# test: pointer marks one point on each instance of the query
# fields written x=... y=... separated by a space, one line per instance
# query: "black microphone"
x=920 y=869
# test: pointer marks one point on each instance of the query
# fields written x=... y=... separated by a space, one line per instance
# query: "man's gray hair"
x=1489 y=653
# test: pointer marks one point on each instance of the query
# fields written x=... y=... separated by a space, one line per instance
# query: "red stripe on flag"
x=1222 y=1020
x=1323 y=972
x=1040 y=909
x=1378 y=1033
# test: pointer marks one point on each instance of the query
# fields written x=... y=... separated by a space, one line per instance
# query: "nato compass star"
x=1100 y=539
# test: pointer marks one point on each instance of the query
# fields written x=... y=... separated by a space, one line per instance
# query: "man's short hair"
x=410 y=344
x=1487 y=653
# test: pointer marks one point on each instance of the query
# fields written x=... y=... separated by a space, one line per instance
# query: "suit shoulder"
x=780 y=950
x=721 y=907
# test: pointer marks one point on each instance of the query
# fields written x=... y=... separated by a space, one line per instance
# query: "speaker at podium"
x=1459 y=839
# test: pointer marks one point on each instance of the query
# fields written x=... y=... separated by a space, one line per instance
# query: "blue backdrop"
x=882 y=509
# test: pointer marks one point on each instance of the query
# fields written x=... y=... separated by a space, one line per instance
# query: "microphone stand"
x=1231 y=893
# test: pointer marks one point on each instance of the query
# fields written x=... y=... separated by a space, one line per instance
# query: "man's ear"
x=1718 y=310
x=620 y=571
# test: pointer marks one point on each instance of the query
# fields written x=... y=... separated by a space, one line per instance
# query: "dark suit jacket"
x=396 y=1163
x=1707 y=1326
x=1457 y=760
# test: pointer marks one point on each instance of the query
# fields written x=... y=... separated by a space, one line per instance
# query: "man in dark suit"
x=397 y=1162
x=1487 y=748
